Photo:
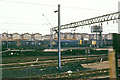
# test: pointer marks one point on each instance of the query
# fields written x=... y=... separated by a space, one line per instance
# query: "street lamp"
x=59 y=45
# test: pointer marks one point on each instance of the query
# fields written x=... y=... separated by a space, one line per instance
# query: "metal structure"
x=50 y=30
x=114 y=58
x=97 y=29
x=59 y=45
x=99 y=19
x=119 y=20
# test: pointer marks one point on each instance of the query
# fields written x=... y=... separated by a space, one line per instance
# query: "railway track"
x=79 y=74
x=42 y=64
x=45 y=63
x=39 y=63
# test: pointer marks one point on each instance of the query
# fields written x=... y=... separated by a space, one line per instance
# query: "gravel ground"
x=97 y=65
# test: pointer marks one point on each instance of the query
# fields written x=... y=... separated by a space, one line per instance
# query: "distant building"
x=103 y=36
x=47 y=37
x=69 y=36
x=109 y=36
x=64 y=36
x=81 y=36
x=16 y=36
x=37 y=36
x=84 y=36
x=77 y=36
x=91 y=36
x=4 y=36
x=55 y=36
x=26 y=36
x=96 y=36
x=10 y=37
x=0 y=36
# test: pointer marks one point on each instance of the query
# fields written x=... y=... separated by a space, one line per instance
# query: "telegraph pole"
x=118 y=17
x=7 y=40
x=59 y=45
x=51 y=40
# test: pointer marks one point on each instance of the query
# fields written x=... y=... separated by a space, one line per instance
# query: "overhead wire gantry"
x=99 y=19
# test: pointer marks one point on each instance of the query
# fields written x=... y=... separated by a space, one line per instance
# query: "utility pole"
x=59 y=45
x=100 y=39
x=119 y=17
x=96 y=40
x=51 y=40
x=7 y=40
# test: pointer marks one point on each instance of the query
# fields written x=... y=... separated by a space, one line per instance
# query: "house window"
x=37 y=35
x=27 y=35
x=14 y=35
x=87 y=36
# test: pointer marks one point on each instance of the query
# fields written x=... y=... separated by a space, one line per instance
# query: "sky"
x=37 y=16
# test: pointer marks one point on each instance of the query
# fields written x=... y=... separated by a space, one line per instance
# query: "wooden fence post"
x=112 y=65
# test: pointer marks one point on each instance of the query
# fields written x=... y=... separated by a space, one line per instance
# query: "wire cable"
x=55 y=5
x=47 y=20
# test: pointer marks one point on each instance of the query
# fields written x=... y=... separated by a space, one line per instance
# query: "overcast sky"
x=37 y=16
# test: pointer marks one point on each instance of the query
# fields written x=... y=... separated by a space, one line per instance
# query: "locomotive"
x=42 y=44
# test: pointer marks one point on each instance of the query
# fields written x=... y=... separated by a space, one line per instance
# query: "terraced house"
x=16 y=36
x=36 y=36
x=26 y=36
x=64 y=36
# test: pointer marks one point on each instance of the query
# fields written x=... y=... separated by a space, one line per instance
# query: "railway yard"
x=34 y=49
x=46 y=66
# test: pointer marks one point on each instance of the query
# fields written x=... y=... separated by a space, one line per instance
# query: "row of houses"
x=26 y=36
x=64 y=36
x=83 y=36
